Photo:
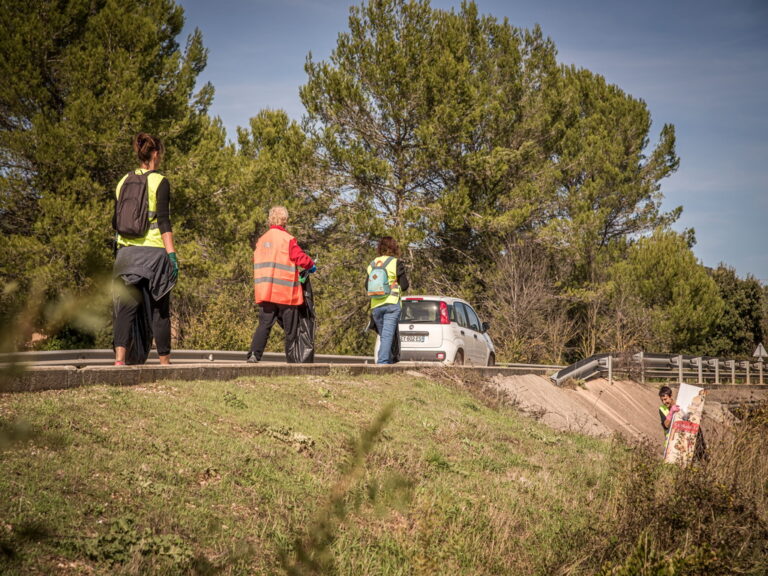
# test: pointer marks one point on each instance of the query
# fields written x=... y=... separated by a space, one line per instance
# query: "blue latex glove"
x=175 y=262
x=313 y=269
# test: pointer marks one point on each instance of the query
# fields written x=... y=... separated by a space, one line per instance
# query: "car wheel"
x=458 y=360
x=491 y=359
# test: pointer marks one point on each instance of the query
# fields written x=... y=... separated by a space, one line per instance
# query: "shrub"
x=710 y=518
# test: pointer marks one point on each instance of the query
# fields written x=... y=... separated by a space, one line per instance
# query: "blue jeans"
x=386 y=318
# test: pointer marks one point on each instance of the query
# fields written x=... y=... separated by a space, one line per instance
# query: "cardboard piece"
x=681 y=443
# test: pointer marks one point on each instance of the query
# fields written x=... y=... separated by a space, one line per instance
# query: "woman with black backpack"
x=146 y=266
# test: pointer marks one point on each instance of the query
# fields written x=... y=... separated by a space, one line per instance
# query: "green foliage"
x=123 y=541
x=740 y=328
x=430 y=158
x=234 y=401
x=223 y=319
x=484 y=141
x=608 y=190
x=229 y=193
x=666 y=296
x=368 y=123
x=644 y=559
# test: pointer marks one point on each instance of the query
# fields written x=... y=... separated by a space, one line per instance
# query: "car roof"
x=446 y=299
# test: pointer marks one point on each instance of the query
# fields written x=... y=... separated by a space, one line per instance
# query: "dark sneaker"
x=251 y=358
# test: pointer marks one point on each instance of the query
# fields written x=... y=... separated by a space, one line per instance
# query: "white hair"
x=278 y=216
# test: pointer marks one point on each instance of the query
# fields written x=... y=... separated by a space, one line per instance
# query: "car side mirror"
x=486 y=326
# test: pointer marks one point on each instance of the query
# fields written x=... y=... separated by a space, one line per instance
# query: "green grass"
x=395 y=474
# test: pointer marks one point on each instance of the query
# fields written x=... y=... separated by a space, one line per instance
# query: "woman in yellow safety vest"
x=147 y=262
x=385 y=308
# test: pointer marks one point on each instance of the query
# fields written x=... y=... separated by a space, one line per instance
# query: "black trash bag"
x=395 y=353
x=301 y=350
x=140 y=343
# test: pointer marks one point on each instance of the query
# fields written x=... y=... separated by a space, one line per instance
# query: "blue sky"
x=700 y=65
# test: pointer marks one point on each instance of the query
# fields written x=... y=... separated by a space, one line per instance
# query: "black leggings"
x=126 y=307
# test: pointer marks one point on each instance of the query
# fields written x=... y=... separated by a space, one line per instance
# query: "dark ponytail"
x=144 y=145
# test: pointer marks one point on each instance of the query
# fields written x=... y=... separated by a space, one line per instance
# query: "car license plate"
x=412 y=338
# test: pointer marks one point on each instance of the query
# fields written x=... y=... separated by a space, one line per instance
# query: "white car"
x=443 y=329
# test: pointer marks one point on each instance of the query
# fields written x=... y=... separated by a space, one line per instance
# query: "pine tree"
x=740 y=328
x=664 y=296
x=81 y=78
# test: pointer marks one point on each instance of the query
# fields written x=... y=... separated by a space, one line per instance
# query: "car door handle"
x=475 y=335
x=462 y=332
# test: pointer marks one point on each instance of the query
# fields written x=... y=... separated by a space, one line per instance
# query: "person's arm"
x=164 y=223
x=298 y=256
x=164 y=208
x=667 y=422
x=402 y=279
x=114 y=210
x=168 y=242
x=164 y=215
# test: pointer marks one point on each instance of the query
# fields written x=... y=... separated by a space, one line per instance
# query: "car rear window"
x=420 y=311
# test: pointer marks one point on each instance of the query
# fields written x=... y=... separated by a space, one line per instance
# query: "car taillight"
x=444 y=313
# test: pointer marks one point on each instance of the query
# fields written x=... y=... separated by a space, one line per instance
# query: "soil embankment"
x=602 y=408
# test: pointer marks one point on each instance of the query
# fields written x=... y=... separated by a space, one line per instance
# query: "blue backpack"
x=378 y=279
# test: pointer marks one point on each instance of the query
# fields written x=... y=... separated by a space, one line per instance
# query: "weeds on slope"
x=709 y=519
x=655 y=519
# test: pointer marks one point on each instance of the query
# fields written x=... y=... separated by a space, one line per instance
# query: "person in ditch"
x=146 y=266
x=385 y=282
x=278 y=293
x=668 y=409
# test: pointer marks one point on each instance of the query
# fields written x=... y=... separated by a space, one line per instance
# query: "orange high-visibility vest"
x=275 y=277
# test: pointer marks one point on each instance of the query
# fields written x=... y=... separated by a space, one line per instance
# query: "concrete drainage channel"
x=33 y=371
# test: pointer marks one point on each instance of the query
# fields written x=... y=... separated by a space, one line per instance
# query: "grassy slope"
x=219 y=469
x=223 y=477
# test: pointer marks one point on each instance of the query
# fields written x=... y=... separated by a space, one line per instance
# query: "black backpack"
x=132 y=206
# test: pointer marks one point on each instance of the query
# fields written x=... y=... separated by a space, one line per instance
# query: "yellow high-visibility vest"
x=391 y=269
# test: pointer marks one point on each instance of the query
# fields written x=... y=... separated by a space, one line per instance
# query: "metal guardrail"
x=36 y=371
x=640 y=366
x=682 y=368
x=106 y=357
x=534 y=367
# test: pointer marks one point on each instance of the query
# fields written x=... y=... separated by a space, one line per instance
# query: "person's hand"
x=674 y=409
x=313 y=269
x=175 y=263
